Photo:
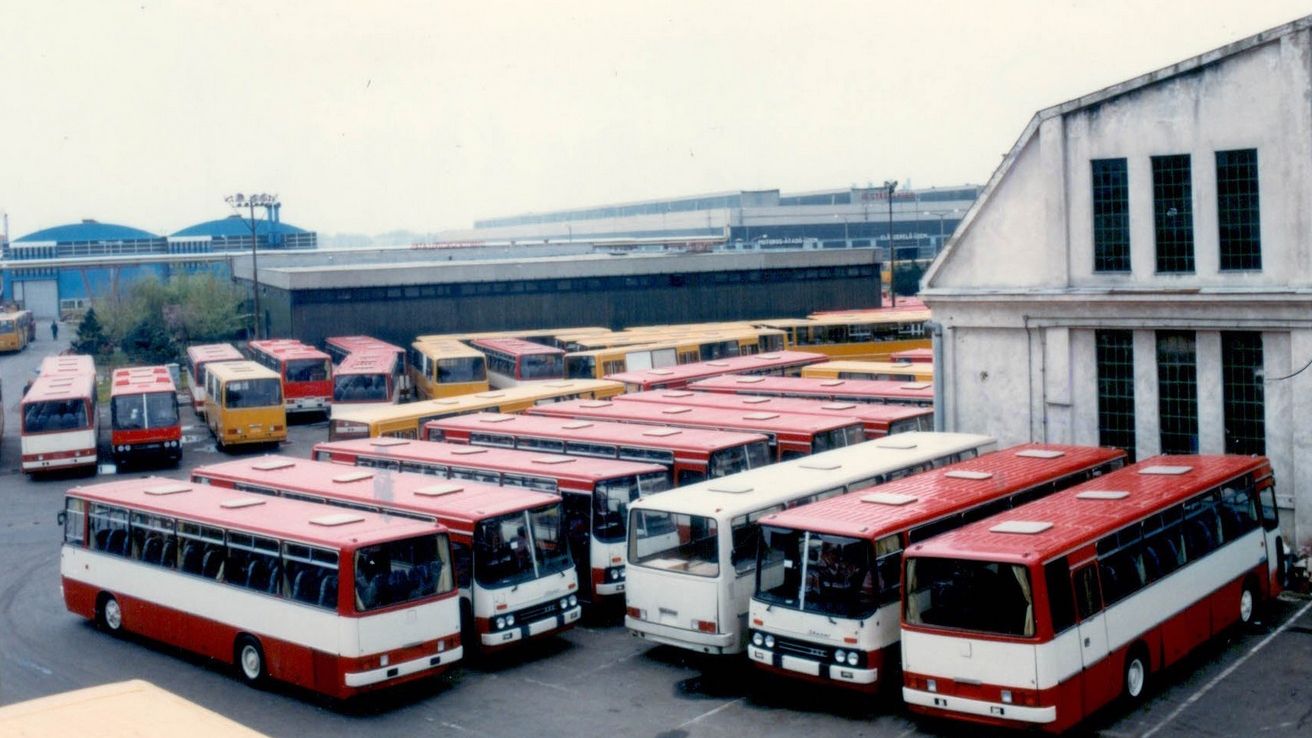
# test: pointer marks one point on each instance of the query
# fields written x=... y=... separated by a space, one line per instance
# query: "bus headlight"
x=769 y=641
x=757 y=640
x=564 y=603
x=852 y=658
x=510 y=620
x=501 y=622
x=573 y=600
x=839 y=656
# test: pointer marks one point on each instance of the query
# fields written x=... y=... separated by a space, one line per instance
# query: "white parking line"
x=709 y=713
x=1230 y=670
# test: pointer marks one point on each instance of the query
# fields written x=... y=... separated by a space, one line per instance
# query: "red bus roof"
x=920 y=498
x=514 y=346
x=1073 y=517
x=558 y=466
x=306 y=522
x=213 y=352
x=815 y=385
x=69 y=364
x=367 y=361
x=615 y=434
x=139 y=379
x=62 y=387
x=299 y=351
x=865 y=412
x=691 y=416
x=455 y=502
x=352 y=344
x=684 y=373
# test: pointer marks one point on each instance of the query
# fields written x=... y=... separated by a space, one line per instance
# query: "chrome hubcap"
x=113 y=615
x=1134 y=678
x=1245 y=606
x=250 y=662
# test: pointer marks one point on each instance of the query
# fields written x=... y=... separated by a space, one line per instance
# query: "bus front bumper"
x=396 y=671
x=306 y=404
x=812 y=667
x=539 y=627
x=718 y=643
x=990 y=711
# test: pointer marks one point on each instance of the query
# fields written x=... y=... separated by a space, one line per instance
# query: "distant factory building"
x=1136 y=272
x=60 y=270
x=398 y=300
x=757 y=220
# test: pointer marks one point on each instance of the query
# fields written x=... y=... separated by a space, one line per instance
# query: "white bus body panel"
x=878 y=631
x=57 y=442
x=673 y=602
x=489 y=603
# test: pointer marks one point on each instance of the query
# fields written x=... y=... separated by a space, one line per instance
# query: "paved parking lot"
x=594 y=680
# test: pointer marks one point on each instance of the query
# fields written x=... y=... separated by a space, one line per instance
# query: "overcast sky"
x=369 y=117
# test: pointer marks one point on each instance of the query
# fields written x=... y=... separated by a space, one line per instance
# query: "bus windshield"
x=922 y=423
x=739 y=458
x=837 y=438
x=580 y=367
x=307 y=370
x=471 y=369
x=147 y=410
x=360 y=388
x=53 y=415
x=610 y=502
x=825 y=574
x=541 y=366
x=396 y=572
x=675 y=542
x=6 y=326
x=981 y=596
x=244 y=393
x=518 y=547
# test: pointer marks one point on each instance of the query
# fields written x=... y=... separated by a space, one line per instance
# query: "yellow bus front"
x=248 y=411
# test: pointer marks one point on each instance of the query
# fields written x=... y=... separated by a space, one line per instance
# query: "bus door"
x=1102 y=678
x=1277 y=557
x=578 y=532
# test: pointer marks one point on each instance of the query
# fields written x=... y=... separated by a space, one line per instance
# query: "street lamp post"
x=889 y=186
x=237 y=202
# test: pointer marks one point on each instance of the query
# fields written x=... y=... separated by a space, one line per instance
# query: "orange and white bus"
x=60 y=428
x=243 y=404
x=886 y=371
x=838 y=390
x=281 y=589
x=596 y=492
x=307 y=373
x=871 y=335
x=407 y=420
x=690 y=454
x=445 y=367
x=789 y=434
x=780 y=363
x=143 y=416
x=508 y=545
x=15 y=330
x=197 y=358
x=1038 y=616
x=876 y=420
x=828 y=574
x=513 y=361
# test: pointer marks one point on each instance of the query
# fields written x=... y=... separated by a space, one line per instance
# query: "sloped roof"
x=87 y=231
x=235 y=226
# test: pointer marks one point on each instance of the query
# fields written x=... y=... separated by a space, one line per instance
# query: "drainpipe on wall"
x=936 y=337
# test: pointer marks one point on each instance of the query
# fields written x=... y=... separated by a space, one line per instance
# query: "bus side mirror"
x=61 y=517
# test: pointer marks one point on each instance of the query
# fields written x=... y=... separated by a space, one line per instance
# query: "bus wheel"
x=249 y=658
x=1136 y=674
x=1247 y=603
x=109 y=615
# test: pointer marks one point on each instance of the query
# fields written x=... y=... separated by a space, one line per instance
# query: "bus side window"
x=461 y=563
x=1060 y=599
x=1270 y=513
x=1238 y=511
x=1088 y=591
x=75 y=519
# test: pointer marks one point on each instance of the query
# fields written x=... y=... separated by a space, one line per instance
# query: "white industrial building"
x=1138 y=271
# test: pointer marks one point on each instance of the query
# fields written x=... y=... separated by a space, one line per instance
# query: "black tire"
x=1134 y=682
x=109 y=614
x=248 y=657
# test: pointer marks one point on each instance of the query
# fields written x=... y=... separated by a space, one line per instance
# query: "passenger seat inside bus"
x=328 y=591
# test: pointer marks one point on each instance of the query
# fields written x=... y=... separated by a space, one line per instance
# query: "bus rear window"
x=674 y=542
x=360 y=388
x=542 y=366
x=252 y=393
x=54 y=415
x=979 y=596
x=469 y=369
x=580 y=367
x=307 y=370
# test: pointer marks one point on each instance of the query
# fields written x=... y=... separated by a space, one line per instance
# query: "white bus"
x=692 y=550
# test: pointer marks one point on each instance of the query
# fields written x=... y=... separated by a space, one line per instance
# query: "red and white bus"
x=143 y=415
x=779 y=363
x=512 y=361
x=837 y=390
x=828 y=574
x=790 y=435
x=1040 y=615
x=596 y=492
x=307 y=374
x=876 y=420
x=197 y=358
x=332 y=601
x=913 y=356
x=508 y=546
x=60 y=428
x=369 y=379
x=690 y=454
x=339 y=347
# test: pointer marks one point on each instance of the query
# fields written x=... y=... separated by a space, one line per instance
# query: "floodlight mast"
x=268 y=202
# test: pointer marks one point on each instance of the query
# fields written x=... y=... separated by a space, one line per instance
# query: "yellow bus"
x=407 y=421
x=243 y=404
x=707 y=345
x=15 y=330
x=135 y=709
x=886 y=371
x=867 y=336
x=445 y=367
x=554 y=337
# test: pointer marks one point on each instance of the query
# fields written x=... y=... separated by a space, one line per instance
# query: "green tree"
x=906 y=280
x=152 y=319
x=91 y=338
